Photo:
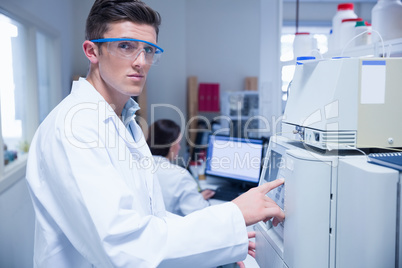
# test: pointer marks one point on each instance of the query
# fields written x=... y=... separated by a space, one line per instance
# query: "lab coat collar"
x=87 y=93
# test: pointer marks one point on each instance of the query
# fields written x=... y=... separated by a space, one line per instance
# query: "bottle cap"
x=338 y=58
x=306 y=58
x=360 y=23
x=302 y=58
x=346 y=6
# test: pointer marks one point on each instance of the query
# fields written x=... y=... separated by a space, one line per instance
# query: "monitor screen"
x=236 y=159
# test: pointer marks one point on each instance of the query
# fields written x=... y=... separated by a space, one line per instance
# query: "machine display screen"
x=275 y=164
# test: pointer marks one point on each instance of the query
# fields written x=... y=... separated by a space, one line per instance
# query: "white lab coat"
x=97 y=203
x=179 y=189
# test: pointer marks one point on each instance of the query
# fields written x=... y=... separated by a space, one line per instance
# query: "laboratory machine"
x=341 y=209
x=346 y=103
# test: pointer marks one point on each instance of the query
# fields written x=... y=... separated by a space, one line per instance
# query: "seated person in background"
x=179 y=189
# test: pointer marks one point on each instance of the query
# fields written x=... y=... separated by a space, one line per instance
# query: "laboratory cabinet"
x=240 y=113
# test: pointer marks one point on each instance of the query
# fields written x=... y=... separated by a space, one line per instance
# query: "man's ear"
x=91 y=50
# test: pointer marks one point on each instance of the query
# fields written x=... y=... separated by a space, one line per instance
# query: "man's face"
x=125 y=77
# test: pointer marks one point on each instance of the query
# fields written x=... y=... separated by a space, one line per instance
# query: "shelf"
x=13 y=172
x=391 y=47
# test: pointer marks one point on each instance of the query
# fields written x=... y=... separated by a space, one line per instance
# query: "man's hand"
x=251 y=249
x=256 y=206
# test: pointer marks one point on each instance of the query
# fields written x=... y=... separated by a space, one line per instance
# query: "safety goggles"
x=128 y=48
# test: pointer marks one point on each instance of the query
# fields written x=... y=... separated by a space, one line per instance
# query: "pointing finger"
x=266 y=187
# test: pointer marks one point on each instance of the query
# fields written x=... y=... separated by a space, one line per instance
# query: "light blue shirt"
x=128 y=118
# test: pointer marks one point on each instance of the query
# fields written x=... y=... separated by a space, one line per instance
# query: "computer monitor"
x=237 y=160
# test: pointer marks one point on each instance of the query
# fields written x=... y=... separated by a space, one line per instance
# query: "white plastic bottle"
x=345 y=11
x=362 y=34
x=303 y=45
x=386 y=18
x=330 y=41
x=347 y=32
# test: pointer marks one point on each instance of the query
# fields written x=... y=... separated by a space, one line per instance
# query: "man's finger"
x=266 y=187
x=251 y=234
x=251 y=245
x=241 y=264
x=276 y=213
x=251 y=253
x=268 y=200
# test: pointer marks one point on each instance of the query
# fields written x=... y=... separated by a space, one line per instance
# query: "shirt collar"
x=128 y=113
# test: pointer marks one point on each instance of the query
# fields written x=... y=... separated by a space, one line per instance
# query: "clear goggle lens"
x=132 y=48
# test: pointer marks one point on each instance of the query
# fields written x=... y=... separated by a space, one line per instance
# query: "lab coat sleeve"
x=206 y=227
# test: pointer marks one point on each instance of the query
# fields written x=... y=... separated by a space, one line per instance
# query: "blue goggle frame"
x=159 y=50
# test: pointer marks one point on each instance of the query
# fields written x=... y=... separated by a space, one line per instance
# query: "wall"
x=217 y=41
x=16 y=226
x=223 y=41
x=205 y=38
x=269 y=73
x=166 y=85
x=81 y=11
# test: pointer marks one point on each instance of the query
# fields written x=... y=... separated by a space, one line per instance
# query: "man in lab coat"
x=89 y=172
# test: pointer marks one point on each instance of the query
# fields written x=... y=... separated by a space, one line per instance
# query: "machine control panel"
x=275 y=170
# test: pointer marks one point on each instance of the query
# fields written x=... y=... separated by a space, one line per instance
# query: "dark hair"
x=104 y=12
x=161 y=135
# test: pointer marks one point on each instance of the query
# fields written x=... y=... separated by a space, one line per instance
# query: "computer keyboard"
x=226 y=193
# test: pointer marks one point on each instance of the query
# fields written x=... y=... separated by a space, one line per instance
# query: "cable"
x=297 y=16
x=357 y=149
x=382 y=42
x=317 y=51
x=373 y=31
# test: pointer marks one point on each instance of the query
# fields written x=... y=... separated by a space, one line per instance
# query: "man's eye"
x=126 y=46
x=149 y=50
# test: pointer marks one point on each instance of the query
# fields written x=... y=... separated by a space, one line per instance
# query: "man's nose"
x=140 y=58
